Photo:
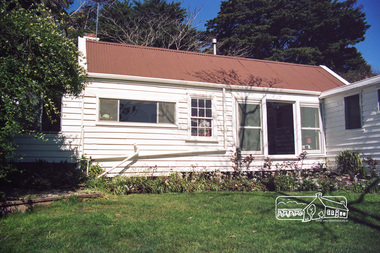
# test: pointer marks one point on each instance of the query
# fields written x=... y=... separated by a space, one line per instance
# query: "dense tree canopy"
x=300 y=31
x=155 y=23
x=37 y=64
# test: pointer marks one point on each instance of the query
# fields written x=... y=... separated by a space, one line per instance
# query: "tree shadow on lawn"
x=360 y=216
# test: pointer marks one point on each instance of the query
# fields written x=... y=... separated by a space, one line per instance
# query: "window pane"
x=201 y=112
x=250 y=139
x=138 y=111
x=166 y=113
x=352 y=112
x=249 y=115
x=194 y=103
x=204 y=127
x=208 y=103
x=108 y=109
x=194 y=112
x=309 y=117
x=208 y=113
x=310 y=139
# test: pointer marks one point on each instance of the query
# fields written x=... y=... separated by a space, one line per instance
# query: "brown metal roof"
x=122 y=59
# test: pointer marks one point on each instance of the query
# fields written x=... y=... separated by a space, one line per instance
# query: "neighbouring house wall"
x=365 y=140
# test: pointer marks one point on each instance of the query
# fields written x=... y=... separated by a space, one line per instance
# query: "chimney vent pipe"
x=214 y=44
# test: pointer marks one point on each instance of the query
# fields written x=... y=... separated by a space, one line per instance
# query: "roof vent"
x=214 y=44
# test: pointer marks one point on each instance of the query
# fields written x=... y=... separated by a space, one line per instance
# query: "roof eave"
x=351 y=87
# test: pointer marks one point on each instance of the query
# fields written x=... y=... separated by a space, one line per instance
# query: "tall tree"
x=57 y=7
x=299 y=31
x=155 y=23
x=37 y=64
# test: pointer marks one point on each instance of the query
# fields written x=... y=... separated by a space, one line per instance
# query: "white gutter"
x=200 y=84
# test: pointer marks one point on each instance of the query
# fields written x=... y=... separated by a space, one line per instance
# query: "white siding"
x=102 y=139
x=365 y=141
x=163 y=148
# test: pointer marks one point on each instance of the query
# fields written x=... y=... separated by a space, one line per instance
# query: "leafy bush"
x=42 y=175
x=94 y=169
x=349 y=162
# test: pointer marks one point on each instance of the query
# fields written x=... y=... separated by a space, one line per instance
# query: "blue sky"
x=369 y=47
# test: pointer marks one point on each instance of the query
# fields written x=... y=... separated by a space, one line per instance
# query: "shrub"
x=349 y=162
x=42 y=175
x=371 y=166
x=94 y=169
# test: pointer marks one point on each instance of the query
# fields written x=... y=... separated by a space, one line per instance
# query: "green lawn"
x=201 y=222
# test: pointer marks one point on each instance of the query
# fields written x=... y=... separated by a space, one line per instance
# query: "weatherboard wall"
x=163 y=148
x=364 y=140
x=167 y=148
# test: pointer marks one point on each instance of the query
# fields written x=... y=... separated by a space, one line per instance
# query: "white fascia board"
x=351 y=87
x=200 y=84
x=335 y=74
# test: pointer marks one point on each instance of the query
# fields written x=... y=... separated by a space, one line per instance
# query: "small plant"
x=371 y=166
x=88 y=166
x=349 y=162
x=238 y=161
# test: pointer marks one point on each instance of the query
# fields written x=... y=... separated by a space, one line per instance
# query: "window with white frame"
x=311 y=132
x=250 y=127
x=201 y=117
x=352 y=112
x=136 y=111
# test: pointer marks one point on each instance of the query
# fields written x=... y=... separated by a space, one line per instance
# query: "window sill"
x=202 y=139
x=355 y=129
x=135 y=124
x=256 y=153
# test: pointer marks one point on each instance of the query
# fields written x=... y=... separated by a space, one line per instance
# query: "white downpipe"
x=135 y=154
x=224 y=119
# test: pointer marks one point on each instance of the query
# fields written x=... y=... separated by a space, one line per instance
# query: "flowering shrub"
x=286 y=176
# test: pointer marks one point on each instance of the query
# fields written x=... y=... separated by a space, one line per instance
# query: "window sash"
x=250 y=134
x=201 y=117
x=135 y=111
x=310 y=128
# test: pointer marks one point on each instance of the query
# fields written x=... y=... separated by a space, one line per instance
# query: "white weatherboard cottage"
x=150 y=111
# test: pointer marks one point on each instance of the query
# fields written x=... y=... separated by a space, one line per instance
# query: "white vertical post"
x=214 y=44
